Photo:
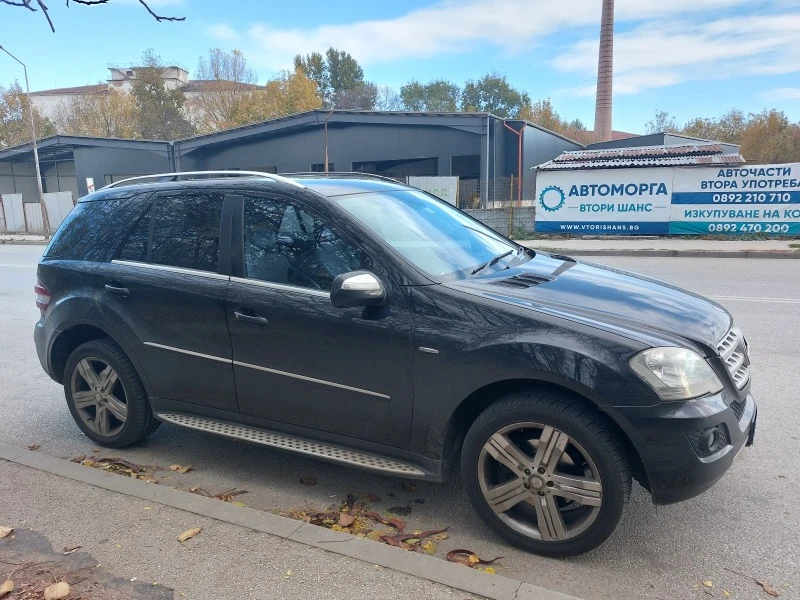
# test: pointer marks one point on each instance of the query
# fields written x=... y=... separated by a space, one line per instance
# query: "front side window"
x=288 y=245
x=432 y=235
x=186 y=231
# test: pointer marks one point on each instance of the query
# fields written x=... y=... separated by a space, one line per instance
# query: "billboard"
x=604 y=201
x=733 y=200
x=678 y=200
x=445 y=188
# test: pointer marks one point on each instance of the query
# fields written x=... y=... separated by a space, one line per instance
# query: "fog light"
x=710 y=439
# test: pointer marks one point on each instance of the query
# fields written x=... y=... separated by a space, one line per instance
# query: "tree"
x=15 y=123
x=727 y=128
x=769 y=137
x=337 y=75
x=438 y=95
x=388 y=99
x=287 y=94
x=107 y=114
x=159 y=110
x=29 y=4
x=662 y=121
x=492 y=93
x=227 y=81
x=361 y=97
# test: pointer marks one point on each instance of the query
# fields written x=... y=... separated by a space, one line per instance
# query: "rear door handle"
x=117 y=290
x=255 y=319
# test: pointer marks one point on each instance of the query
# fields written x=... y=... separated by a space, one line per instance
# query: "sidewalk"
x=22 y=238
x=131 y=527
x=696 y=248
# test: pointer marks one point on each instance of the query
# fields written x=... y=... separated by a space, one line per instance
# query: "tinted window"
x=135 y=246
x=286 y=244
x=92 y=229
x=186 y=231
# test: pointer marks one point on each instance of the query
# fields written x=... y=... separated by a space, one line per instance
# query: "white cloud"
x=222 y=32
x=661 y=54
x=777 y=94
x=455 y=27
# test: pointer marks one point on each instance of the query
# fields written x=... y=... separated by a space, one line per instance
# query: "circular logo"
x=552 y=198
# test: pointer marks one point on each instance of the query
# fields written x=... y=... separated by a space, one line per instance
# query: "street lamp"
x=45 y=224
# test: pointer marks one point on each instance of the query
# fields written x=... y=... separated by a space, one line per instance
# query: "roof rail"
x=162 y=177
x=342 y=174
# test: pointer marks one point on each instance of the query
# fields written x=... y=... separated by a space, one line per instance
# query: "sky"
x=687 y=57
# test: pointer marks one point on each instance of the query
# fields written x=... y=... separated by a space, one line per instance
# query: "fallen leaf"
x=726 y=593
x=468 y=558
x=288 y=574
x=489 y=570
x=189 y=534
x=398 y=524
x=185 y=470
x=229 y=495
x=708 y=583
x=175 y=467
x=375 y=536
x=4 y=531
x=345 y=519
x=56 y=591
x=78 y=459
x=409 y=487
x=768 y=588
x=148 y=508
x=34 y=446
x=441 y=537
x=430 y=547
x=70 y=550
x=193 y=489
x=6 y=588
x=239 y=504
x=308 y=480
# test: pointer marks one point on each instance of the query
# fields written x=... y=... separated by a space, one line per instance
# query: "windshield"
x=432 y=235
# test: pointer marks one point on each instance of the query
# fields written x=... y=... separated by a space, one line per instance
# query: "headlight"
x=676 y=373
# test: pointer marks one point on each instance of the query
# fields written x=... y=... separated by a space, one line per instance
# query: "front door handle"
x=255 y=319
x=117 y=290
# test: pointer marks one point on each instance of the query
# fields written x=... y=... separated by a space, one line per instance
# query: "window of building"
x=186 y=231
x=288 y=245
x=320 y=167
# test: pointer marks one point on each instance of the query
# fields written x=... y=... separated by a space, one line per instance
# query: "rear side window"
x=92 y=229
x=135 y=246
x=186 y=231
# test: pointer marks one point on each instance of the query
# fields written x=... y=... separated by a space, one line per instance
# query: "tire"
x=578 y=493
x=98 y=401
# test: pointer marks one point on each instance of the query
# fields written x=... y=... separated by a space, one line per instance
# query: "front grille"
x=733 y=351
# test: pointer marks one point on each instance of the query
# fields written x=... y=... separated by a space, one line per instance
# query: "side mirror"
x=357 y=288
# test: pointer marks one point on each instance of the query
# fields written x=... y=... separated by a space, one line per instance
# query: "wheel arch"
x=479 y=400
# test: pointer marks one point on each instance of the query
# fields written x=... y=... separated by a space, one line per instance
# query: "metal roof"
x=644 y=156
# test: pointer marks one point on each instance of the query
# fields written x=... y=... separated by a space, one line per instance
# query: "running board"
x=282 y=441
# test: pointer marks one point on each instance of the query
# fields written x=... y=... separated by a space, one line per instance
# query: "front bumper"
x=670 y=442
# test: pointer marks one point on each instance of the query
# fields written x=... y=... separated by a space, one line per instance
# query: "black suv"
x=291 y=311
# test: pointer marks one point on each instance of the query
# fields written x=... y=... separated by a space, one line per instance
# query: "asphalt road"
x=746 y=527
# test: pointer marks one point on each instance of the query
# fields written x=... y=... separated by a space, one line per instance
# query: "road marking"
x=749 y=299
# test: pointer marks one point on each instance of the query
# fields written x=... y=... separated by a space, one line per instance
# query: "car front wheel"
x=546 y=473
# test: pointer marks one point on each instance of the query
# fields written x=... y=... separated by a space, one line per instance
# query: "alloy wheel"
x=98 y=396
x=540 y=482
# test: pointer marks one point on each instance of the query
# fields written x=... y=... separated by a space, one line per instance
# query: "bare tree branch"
x=46 y=14
x=158 y=17
x=45 y=10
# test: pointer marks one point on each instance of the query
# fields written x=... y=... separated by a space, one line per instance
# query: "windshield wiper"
x=493 y=261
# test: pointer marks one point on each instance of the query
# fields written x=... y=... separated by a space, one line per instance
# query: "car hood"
x=630 y=303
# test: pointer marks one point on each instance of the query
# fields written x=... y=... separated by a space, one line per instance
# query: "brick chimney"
x=605 y=74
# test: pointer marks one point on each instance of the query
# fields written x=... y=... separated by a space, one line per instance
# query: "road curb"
x=13 y=242
x=496 y=587
x=771 y=254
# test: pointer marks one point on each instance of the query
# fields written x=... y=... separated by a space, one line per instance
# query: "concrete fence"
x=512 y=221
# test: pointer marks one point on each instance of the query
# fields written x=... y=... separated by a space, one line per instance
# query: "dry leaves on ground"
x=6 y=588
x=56 y=591
x=34 y=446
x=469 y=558
x=71 y=549
x=180 y=468
x=189 y=534
x=5 y=531
x=768 y=588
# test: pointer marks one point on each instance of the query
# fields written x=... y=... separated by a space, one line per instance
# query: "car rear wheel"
x=546 y=473
x=106 y=396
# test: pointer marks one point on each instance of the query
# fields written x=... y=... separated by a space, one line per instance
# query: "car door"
x=167 y=285
x=299 y=360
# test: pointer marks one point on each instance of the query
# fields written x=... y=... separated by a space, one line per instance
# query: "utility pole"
x=45 y=224
x=605 y=75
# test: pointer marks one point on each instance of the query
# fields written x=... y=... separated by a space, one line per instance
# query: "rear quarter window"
x=93 y=229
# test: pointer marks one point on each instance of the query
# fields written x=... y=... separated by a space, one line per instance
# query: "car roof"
x=329 y=185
